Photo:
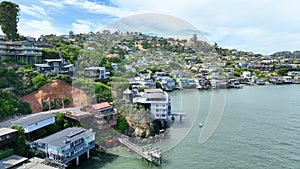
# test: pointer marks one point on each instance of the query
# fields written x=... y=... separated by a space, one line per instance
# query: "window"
x=8 y=136
x=1 y=138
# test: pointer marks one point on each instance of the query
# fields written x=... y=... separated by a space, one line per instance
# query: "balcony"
x=81 y=149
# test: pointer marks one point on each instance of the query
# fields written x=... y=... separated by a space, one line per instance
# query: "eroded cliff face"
x=55 y=95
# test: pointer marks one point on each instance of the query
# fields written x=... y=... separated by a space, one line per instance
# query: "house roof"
x=4 y=131
x=42 y=65
x=53 y=60
x=12 y=161
x=36 y=163
x=33 y=119
x=94 y=68
x=127 y=91
x=154 y=91
x=101 y=106
x=77 y=114
x=153 y=95
x=66 y=136
x=67 y=66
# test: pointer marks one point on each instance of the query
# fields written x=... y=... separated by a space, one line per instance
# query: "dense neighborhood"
x=134 y=68
x=63 y=96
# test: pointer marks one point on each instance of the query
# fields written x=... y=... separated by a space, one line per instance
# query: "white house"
x=167 y=83
x=287 y=79
x=66 y=145
x=158 y=101
x=247 y=74
x=114 y=66
x=96 y=72
x=20 y=51
x=34 y=122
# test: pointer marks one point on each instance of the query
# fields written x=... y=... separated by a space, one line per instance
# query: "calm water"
x=260 y=128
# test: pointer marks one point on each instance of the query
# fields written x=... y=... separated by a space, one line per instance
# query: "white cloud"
x=250 y=24
x=97 y=8
x=56 y=4
x=159 y=24
x=34 y=11
x=85 y=26
x=36 y=28
x=264 y=25
x=81 y=26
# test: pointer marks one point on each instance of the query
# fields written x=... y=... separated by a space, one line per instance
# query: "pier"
x=147 y=152
x=180 y=114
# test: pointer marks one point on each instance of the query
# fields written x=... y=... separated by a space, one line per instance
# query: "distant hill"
x=287 y=54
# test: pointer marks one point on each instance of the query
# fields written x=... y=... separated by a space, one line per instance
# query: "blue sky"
x=261 y=26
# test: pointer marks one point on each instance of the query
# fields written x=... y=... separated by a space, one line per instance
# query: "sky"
x=260 y=26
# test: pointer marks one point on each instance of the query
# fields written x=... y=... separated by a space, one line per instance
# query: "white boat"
x=200 y=125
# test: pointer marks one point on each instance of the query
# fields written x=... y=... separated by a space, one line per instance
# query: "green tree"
x=19 y=145
x=158 y=85
x=122 y=124
x=9 y=13
x=59 y=120
x=102 y=92
x=8 y=104
x=39 y=80
x=24 y=108
x=50 y=54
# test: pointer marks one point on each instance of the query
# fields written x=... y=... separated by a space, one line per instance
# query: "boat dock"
x=146 y=152
x=180 y=114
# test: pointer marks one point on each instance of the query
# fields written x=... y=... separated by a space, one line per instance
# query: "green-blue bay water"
x=260 y=128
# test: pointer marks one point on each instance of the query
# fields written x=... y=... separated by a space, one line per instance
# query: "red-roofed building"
x=104 y=113
x=99 y=106
x=111 y=56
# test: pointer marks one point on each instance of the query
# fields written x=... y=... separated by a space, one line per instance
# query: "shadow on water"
x=97 y=160
x=105 y=160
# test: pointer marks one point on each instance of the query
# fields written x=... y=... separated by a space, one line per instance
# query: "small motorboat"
x=200 y=125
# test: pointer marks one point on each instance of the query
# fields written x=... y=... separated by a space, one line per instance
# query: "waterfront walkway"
x=147 y=152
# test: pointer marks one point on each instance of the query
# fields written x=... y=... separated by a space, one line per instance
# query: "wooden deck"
x=147 y=152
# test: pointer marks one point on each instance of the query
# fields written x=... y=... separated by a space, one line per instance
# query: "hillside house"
x=66 y=145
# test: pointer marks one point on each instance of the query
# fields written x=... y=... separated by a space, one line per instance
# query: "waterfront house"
x=157 y=101
x=276 y=80
x=293 y=73
x=7 y=137
x=247 y=74
x=185 y=83
x=20 y=51
x=296 y=79
x=34 y=122
x=66 y=145
x=218 y=84
x=56 y=65
x=287 y=79
x=96 y=73
x=105 y=114
x=167 y=83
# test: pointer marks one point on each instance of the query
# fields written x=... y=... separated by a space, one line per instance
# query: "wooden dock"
x=147 y=152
